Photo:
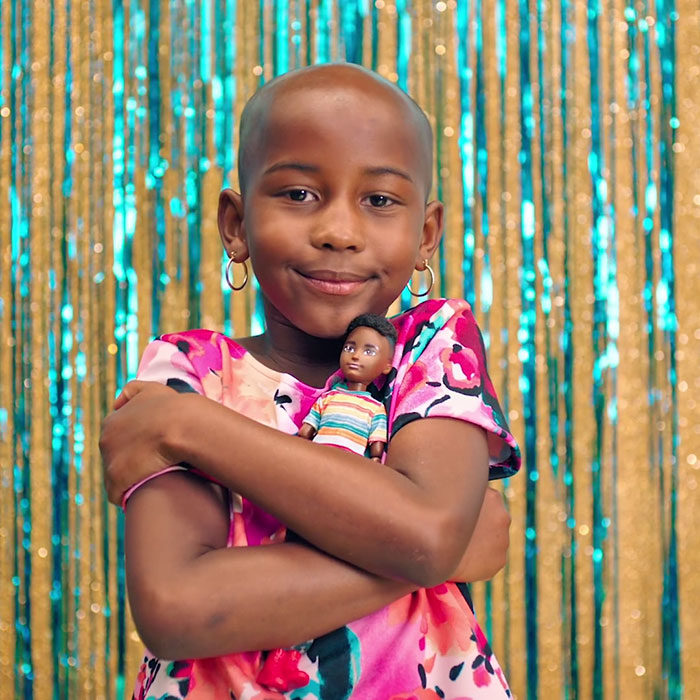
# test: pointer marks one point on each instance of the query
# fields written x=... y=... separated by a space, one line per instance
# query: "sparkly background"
x=570 y=166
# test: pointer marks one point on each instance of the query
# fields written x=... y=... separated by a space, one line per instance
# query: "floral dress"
x=424 y=646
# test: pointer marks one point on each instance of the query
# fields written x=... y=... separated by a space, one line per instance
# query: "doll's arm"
x=279 y=595
x=307 y=431
x=376 y=450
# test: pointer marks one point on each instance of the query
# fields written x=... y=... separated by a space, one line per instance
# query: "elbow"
x=436 y=557
x=154 y=624
x=159 y=618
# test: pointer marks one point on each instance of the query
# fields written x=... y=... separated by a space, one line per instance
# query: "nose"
x=338 y=228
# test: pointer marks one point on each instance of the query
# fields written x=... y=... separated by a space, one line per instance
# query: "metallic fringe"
x=568 y=162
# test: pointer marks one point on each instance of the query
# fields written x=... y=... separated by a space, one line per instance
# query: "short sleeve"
x=441 y=373
x=313 y=418
x=378 y=428
x=165 y=363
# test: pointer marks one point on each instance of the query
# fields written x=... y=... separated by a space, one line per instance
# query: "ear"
x=231 y=226
x=387 y=369
x=432 y=231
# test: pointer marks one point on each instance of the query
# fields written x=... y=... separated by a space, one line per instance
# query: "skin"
x=366 y=355
x=334 y=221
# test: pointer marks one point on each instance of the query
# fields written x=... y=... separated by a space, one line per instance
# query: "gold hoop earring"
x=430 y=286
x=228 y=274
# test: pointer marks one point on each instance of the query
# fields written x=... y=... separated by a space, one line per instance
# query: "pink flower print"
x=481 y=676
x=461 y=367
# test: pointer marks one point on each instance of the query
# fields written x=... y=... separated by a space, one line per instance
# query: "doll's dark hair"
x=376 y=322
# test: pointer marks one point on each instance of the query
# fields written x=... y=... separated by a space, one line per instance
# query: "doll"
x=346 y=417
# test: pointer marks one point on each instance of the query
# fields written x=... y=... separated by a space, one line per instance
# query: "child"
x=366 y=355
x=335 y=167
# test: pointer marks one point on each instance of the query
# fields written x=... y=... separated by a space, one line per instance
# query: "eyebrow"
x=366 y=345
x=308 y=168
x=388 y=170
x=292 y=165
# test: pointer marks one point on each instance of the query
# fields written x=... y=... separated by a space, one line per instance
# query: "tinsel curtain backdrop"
x=568 y=161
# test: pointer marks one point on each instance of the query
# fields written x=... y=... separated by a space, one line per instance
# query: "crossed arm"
x=395 y=526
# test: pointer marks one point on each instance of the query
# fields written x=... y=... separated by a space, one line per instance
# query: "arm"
x=487 y=550
x=409 y=522
x=376 y=450
x=176 y=526
x=307 y=431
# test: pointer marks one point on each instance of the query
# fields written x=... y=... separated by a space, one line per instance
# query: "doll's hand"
x=488 y=547
x=133 y=437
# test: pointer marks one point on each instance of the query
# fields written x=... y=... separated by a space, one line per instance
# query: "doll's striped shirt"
x=348 y=419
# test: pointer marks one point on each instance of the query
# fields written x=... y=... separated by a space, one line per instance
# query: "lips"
x=332 y=281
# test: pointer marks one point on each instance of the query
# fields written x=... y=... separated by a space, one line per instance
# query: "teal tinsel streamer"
x=323 y=35
x=157 y=166
x=667 y=322
x=404 y=43
x=568 y=556
x=280 y=46
x=601 y=244
x=466 y=145
x=59 y=397
x=502 y=63
x=121 y=256
x=526 y=338
x=223 y=90
x=351 y=15
x=613 y=334
x=20 y=206
x=486 y=281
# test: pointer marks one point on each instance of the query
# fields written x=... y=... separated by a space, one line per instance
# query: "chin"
x=331 y=325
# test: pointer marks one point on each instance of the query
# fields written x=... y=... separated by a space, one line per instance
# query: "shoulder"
x=441 y=371
x=193 y=353
x=202 y=343
x=439 y=319
x=433 y=325
x=432 y=311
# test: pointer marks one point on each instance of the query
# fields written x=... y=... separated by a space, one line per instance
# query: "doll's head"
x=367 y=350
x=335 y=168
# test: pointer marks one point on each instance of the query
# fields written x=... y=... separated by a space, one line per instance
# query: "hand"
x=487 y=549
x=133 y=437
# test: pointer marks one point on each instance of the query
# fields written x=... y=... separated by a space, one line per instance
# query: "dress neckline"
x=282 y=377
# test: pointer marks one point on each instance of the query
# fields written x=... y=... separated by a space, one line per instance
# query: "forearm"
x=250 y=598
x=191 y=596
x=379 y=519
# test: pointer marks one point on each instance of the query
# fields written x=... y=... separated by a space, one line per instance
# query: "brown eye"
x=298 y=195
x=379 y=200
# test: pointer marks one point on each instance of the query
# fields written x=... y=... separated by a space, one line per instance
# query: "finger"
x=113 y=495
x=128 y=392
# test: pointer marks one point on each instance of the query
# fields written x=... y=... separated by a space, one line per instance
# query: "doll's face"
x=366 y=355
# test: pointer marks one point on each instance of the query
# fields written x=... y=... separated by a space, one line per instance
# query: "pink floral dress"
x=426 y=645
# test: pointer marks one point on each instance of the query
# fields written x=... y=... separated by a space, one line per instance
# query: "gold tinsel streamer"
x=81 y=39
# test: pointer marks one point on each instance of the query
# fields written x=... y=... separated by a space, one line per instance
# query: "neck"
x=285 y=348
x=356 y=386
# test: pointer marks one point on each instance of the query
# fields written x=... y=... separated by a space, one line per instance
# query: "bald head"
x=333 y=79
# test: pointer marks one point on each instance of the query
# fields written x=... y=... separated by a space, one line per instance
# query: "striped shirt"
x=348 y=419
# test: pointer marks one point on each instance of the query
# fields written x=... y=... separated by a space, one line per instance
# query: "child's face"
x=334 y=213
x=366 y=354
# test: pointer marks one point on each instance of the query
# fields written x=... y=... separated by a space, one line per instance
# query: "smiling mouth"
x=335 y=283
